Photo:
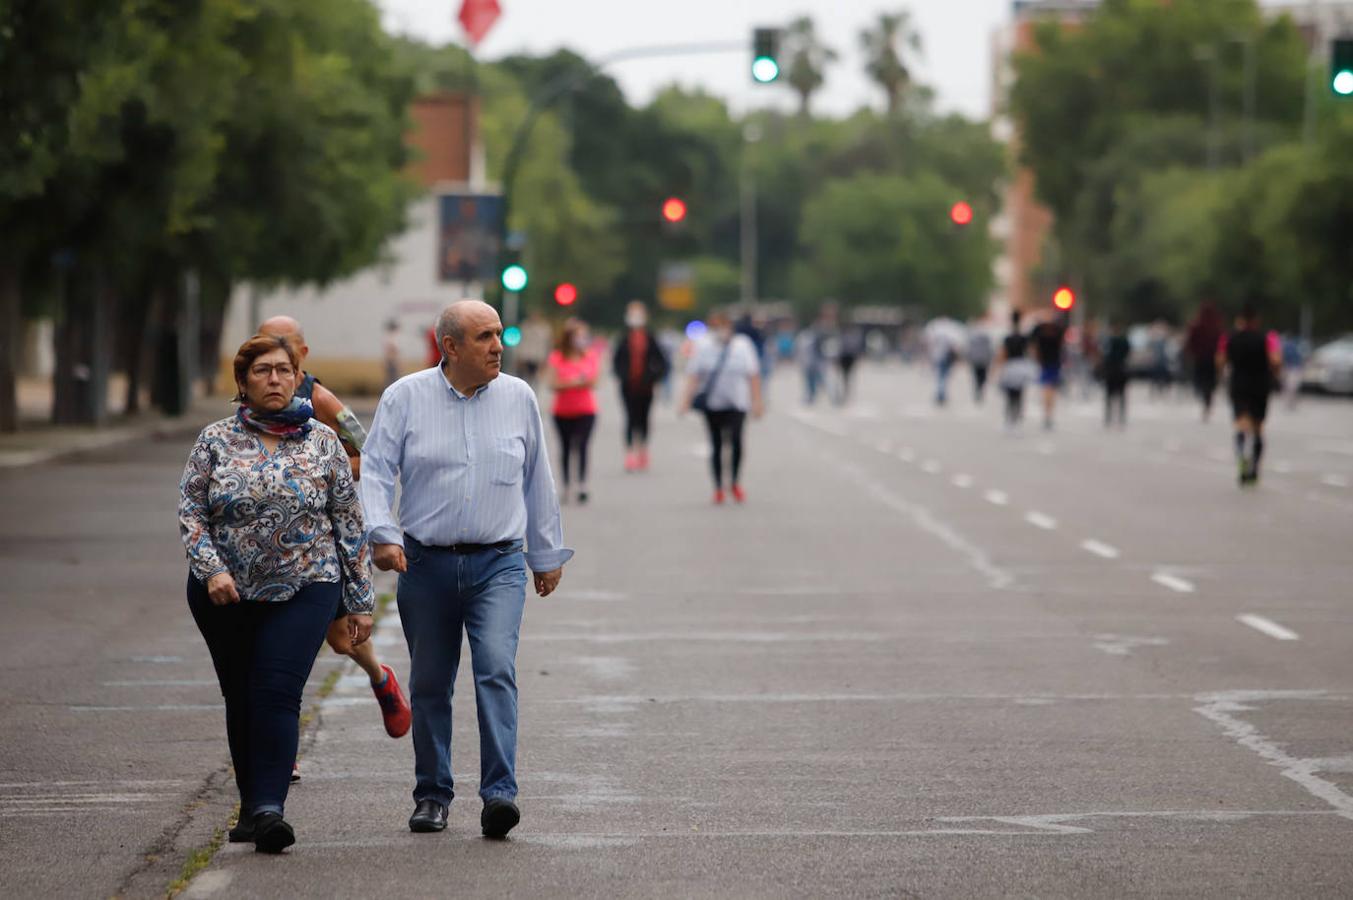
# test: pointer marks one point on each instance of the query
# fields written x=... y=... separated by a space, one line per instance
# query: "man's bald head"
x=286 y=327
x=457 y=319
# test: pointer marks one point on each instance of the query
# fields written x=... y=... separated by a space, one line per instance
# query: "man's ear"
x=449 y=348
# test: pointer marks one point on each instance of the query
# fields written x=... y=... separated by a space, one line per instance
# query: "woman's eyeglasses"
x=263 y=370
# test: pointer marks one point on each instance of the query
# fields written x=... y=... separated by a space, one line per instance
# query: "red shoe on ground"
x=631 y=461
x=718 y=497
x=394 y=708
x=643 y=460
x=738 y=494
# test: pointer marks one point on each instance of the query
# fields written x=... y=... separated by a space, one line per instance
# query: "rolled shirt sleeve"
x=345 y=516
x=545 y=550
x=381 y=458
x=204 y=559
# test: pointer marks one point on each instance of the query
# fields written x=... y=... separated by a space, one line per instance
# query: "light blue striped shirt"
x=471 y=470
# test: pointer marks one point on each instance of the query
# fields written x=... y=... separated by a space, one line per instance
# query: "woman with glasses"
x=273 y=528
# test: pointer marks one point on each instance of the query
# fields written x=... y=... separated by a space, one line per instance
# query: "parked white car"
x=1330 y=368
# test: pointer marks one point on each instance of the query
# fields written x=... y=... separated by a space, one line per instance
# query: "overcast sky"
x=956 y=62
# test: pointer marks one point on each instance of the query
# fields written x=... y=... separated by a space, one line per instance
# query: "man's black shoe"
x=272 y=834
x=243 y=832
x=499 y=817
x=428 y=816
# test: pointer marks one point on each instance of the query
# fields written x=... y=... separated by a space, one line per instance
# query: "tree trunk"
x=10 y=326
x=136 y=310
x=80 y=382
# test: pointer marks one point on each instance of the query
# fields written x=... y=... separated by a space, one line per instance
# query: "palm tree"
x=889 y=47
x=808 y=59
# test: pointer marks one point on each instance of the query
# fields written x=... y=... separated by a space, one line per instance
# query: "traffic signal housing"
x=1341 y=67
x=765 y=55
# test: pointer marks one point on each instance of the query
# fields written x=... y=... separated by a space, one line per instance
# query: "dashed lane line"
x=1099 y=548
x=931 y=467
x=1040 y=520
x=997 y=498
x=1268 y=627
x=1338 y=481
x=962 y=481
x=1173 y=582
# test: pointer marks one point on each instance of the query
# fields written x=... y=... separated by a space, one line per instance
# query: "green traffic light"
x=765 y=69
x=511 y=336
x=1343 y=83
x=514 y=277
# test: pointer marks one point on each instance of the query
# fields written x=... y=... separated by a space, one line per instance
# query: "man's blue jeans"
x=481 y=594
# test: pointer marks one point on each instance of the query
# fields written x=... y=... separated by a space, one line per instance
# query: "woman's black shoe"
x=272 y=834
x=243 y=832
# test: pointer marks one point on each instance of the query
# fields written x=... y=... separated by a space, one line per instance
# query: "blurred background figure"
x=1158 y=358
x=1014 y=371
x=639 y=365
x=812 y=363
x=945 y=340
x=980 y=353
x=724 y=383
x=574 y=366
x=1049 y=340
x=852 y=348
x=390 y=352
x=1089 y=355
x=534 y=348
x=1200 y=346
x=1114 y=365
x=1294 y=364
x=1254 y=360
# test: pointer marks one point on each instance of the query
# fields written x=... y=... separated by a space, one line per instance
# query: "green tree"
x=890 y=46
x=808 y=58
x=887 y=239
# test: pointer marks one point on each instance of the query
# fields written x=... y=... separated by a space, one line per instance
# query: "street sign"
x=477 y=17
x=468 y=245
x=676 y=286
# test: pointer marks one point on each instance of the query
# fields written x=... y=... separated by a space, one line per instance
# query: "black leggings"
x=574 y=434
x=263 y=653
x=725 y=422
x=637 y=409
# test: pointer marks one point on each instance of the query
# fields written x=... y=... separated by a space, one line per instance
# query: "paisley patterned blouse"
x=275 y=521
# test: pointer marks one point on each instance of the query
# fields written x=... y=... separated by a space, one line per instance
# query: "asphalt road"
x=926 y=659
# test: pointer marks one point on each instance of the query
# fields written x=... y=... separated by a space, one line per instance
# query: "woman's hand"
x=221 y=589
x=359 y=628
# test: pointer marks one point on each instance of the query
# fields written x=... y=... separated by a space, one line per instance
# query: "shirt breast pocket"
x=506 y=459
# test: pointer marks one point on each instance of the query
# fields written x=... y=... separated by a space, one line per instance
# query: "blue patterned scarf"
x=292 y=420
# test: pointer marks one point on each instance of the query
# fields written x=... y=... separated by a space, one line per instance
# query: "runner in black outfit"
x=1254 y=359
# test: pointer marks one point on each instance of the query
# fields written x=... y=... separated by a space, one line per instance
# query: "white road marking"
x=927 y=521
x=1173 y=582
x=962 y=481
x=1224 y=709
x=906 y=454
x=1040 y=520
x=1124 y=644
x=1099 y=548
x=999 y=498
x=931 y=467
x=1268 y=627
x=1338 y=481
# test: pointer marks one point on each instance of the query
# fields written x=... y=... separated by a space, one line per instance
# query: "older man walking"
x=467 y=447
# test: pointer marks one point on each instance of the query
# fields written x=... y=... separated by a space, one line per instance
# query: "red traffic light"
x=674 y=209
x=565 y=294
x=1064 y=298
x=961 y=213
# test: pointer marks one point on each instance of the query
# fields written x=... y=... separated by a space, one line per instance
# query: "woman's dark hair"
x=255 y=347
x=567 y=332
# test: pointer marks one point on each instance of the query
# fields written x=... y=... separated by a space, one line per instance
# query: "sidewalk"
x=39 y=442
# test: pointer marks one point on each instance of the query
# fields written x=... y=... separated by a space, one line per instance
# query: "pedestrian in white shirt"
x=725 y=384
x=477 y=507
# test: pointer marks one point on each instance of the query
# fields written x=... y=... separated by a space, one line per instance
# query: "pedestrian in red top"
x=639 y=365
x=574 y=366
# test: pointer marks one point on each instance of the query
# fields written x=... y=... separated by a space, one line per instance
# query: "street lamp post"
x=747 y=219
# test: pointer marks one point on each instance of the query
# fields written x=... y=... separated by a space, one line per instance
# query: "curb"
x=79 y=443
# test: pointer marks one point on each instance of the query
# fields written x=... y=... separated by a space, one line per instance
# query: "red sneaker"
x=643 y=460
x=394 y=708
x=718 y=497
x=631 y=461
x=738 y=494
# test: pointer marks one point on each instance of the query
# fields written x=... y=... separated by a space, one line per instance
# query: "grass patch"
x=198 y=860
